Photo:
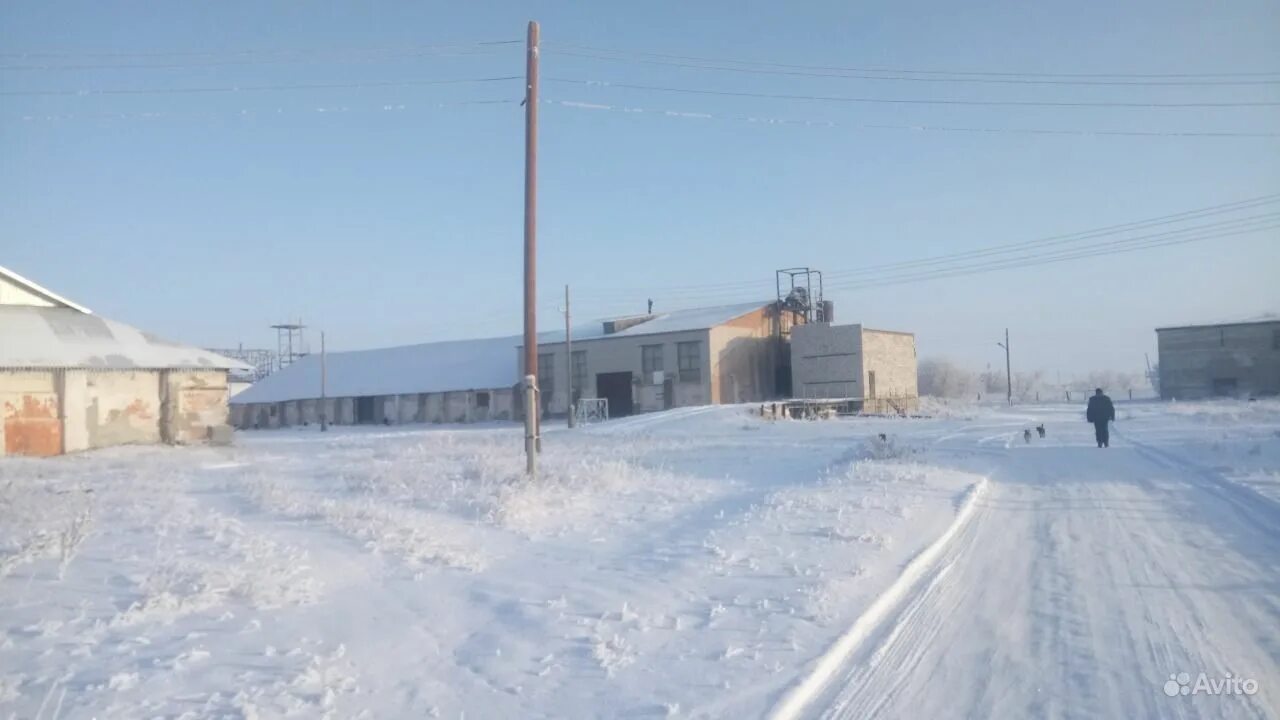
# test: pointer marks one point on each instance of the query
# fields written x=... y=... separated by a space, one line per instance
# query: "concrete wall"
x=892 y=357
x=47 y=412
x=826 y=361
x=622 y=354
x=1192 y=359
x=198 y=401
x=450 y=407
x=743 y=356
x=123 y=408
x=837 y=361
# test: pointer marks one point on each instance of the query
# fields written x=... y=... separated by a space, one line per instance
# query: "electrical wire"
x=257 y=52
x=893 y=76
x=792 y=122
x=259 y=88
x=992 y=267
x=914 y=101
x=1008 y=248
x=905 y=71
x=256 y=113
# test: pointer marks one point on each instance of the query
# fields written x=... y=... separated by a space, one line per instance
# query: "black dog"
x=1026 y=436
x=1040 y=429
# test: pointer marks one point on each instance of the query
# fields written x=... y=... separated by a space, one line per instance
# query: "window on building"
x=689 y=361
x=482 y=399
x=650 y=361
x=546 y=374
x=579 y=373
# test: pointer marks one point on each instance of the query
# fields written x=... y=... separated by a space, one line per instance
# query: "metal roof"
x=425 y=368
x=1263 y=319
x=66 y=337
x=484 y=364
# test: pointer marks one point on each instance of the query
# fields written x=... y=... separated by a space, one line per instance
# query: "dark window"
x=650 y=361
x=579 y=372
x=546 y=374
x=689 y=361
x=482 y=399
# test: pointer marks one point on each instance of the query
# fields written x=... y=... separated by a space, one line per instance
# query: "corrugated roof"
x=64 y=337
x=484 y=364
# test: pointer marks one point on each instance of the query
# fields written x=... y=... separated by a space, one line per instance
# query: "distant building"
x=443 y=382
x=874 y=368
x=642 y=363
x=71 y=380
x=1239 y=359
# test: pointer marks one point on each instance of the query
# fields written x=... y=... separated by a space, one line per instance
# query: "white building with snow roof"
x=72 y=380
x=639 y=363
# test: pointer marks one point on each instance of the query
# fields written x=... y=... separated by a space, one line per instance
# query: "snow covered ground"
x=695 y=563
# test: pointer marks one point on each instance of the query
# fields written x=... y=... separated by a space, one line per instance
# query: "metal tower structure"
x=290 y=344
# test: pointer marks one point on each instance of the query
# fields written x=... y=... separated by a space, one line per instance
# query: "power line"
x=792 y=122
x=1156 y=221
x=1025 y=262
x=259 y=113
x=1028 y=249
x=906 y=71
x=1173 y=237
x=257 y=88
x=913 y=101
x=253 y=52
x=307 y=58
x=1060 y=257
x=896 y=76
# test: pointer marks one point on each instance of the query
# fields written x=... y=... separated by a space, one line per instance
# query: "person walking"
x=1101 y=412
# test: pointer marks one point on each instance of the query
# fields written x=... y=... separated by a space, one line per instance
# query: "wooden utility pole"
x=568 y=354
x=324 y=412
x=530 y=251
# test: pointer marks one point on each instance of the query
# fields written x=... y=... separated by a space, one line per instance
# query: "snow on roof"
x=1268 y=317
x=455 y=365
x=65 y=337
x=674 y=321
x=32 y=287
x=429 y=367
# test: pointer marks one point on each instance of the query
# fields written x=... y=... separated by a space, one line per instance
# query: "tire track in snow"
x=923 y=569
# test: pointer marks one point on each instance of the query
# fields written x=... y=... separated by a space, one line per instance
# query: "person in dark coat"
x=1101 y=412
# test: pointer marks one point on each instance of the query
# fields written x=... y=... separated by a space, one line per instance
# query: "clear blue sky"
x=209 y=216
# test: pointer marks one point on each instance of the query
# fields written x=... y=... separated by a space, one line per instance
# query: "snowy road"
x=699 y=563
x=1082 y=581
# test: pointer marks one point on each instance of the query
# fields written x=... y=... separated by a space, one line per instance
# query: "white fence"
x=589 y=410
